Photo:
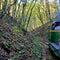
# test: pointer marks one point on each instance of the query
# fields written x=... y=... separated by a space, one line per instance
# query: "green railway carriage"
x=54 y=42
x=55 y=36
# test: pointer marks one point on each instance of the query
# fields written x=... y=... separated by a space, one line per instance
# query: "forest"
x=24 y=28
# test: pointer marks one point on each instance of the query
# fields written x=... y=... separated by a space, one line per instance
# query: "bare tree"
x=39 y=12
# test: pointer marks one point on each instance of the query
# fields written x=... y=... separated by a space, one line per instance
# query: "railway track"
x=46 y=53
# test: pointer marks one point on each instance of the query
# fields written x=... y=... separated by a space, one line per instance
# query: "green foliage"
x=6 y=45
x=37 y=51
x=36 y=48
x=1 y=35
x=15 y=57
x=0 y=10
x=15 y=29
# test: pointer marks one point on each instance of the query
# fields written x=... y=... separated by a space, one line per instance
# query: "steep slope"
x=18 y=46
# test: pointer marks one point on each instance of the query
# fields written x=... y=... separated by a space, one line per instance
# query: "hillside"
x=19 y=47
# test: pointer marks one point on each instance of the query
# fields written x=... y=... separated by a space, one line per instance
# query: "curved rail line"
x=46 y=53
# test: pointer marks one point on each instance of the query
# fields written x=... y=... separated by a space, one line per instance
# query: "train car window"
x=55 y=26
